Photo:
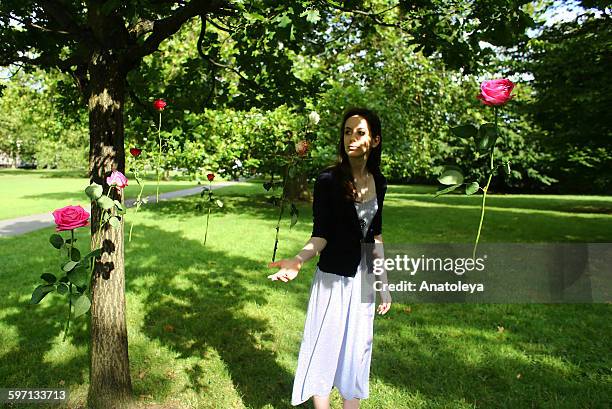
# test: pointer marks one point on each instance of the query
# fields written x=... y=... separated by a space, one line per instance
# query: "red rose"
x=210 y=177
x=70 y=217
x=495 y=92
x=159 y=104
x=135 y=152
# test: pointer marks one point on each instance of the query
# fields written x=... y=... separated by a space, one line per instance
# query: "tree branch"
x=166 y=27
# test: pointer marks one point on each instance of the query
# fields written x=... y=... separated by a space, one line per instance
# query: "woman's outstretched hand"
x=289 y=268
x=385 y=303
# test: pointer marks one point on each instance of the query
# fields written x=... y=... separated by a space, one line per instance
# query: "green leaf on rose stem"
x=79 y=276
x=106 y=216
x=472 y=188
x=114 y=222
x=294 y=215
x=81 y=306
x=94 y=191
x=69 y=266
x=69 y=241
x=465 y=131
x=76 y=254
x=447 y=190
x=451 y=176
x=40 y=292
x=64 y=279
x=56 y=241
x=48 y=277
x=219 y=203
x=488 y=136
x=106 y=202
x=267 y=185
x=62 y=288
x=93 y=254
x=119 y=206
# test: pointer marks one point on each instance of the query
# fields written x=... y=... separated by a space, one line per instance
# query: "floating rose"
x=117 y=179
x=210 y=177
x=70 y=217
x=302 y=147
x=159 y=104
x=135 y=152
x=495 y=92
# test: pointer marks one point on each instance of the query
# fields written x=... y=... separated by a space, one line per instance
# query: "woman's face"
x=357 y=138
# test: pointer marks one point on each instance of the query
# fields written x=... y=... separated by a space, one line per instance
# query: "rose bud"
x=210 y=177
x=135 y=152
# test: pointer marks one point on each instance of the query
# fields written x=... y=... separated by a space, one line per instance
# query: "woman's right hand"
x=289 y=268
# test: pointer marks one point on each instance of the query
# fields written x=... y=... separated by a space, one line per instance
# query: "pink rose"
x=495 y=92
x=70 y=217
x=118 y=179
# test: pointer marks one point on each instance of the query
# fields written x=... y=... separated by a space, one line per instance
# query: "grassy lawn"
x=27 y=192
x=208 y=330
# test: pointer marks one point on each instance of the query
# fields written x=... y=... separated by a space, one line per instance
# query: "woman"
x=347 y=210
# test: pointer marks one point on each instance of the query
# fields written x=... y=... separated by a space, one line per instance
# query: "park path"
x=26 y=224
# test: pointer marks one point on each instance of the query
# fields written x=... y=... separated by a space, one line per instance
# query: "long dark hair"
x=342 y=168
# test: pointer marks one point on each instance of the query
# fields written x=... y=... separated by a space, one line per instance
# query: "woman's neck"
x=358 y=168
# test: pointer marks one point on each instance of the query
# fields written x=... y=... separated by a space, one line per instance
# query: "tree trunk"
x=110 y=384
x=297 y=188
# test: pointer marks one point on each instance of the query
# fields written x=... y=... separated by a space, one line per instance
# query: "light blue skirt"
x=336 y=348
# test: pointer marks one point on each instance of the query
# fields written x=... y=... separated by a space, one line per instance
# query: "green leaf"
x=69 y=266
x=507 y=168
x=284 y=20
x=94 y=191
x=451 y=176
x=81 y=306
x=48 y=277
x=93 y=253
x=76 y=254
x=62 y=288
x=119 y=206
x=472 y=188
x=219 y=203
x=294 y=215
x=40 y=292
x=465 y=131
x=447 y=190
x=106 y=202
x=56 y=241
x=114 y=222
x=312 y=15
x=79 y=276
x=488 y=136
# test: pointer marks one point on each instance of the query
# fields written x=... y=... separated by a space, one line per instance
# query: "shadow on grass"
x=194 y=304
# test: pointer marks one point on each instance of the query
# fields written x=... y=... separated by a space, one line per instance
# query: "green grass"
x=27 y=192
x=208 y=330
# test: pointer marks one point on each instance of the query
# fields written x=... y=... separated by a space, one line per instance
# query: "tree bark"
x=110 y=384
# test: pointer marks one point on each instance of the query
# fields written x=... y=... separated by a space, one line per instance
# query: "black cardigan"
x=335 y=219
